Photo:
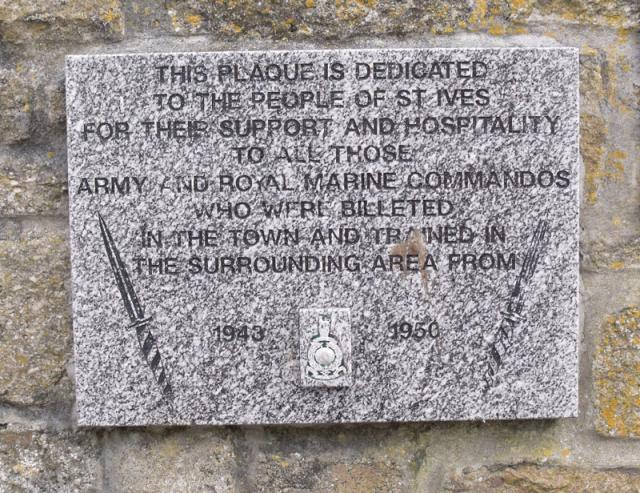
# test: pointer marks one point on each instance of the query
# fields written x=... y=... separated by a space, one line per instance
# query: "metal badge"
x=325 y=347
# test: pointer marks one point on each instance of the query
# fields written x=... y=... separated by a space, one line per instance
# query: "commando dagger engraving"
x=512 y=315
x=142 y=325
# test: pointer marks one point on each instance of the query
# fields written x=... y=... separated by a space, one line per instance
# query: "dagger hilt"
x=151 y=352
x=513 y=313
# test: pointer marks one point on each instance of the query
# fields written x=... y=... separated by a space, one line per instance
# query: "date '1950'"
x=414 y=330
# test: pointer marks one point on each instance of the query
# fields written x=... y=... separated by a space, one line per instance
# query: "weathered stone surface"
x=27 y=21
x=616 y=375
x=603 y=94
x=542 y=479
x=9 y=229
x=32 y=183
x=15 y=107
x=340 y=18
x=601 y=255
x=306 y=473
x=593 y=139
x=31 y=103
x=183 y=460
x=613 y=13
x=223 y=460
x=593 y=126
x=35 y=327
x=305 y=18
x=609 y=122
x=49 y=103
x=330 y=460
x=49 y=462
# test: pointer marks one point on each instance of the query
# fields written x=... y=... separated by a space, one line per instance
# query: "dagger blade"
x=516 y=303
x=146 y=340
x=512 y=316
x=129 y=297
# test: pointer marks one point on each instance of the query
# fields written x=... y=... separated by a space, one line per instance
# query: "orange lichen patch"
x=518 y=30
x=499 y=18
x=497 y=30
x=284 y=27
x=615 y=161
x=185 y=20
x=600 y=72
x=232 y=27
x=479 y=13
x=25 y=470
x=596 y=12
x=588 y=50
x=616 y=375
x=396 y=11
x=414 y=245
x=194 y=20
x=351 y=478
x=599 y=75
x=623 y=35
x=593 y=137
x=445 y=29
x=594 y=81
x=519 y=4
x=110 y=16
x=617 y=265
x=281 y=461
x=29 y=21
x=310 y=4
x=544 y=452
x=354 y=10
x=624 y=64
x=22 y=359
x=611 y=77
x=442 y=12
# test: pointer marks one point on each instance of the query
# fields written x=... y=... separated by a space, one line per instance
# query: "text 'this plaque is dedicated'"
x=324 y=236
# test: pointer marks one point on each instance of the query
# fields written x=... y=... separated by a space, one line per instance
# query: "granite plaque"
x=324 y=236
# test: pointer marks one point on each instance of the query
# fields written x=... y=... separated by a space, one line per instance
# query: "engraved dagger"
x=146 y=340
x=513 y=313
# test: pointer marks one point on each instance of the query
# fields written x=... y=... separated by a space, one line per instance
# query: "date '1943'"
x=242 y=334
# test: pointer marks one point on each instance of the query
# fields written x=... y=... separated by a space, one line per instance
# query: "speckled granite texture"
x=444 y=325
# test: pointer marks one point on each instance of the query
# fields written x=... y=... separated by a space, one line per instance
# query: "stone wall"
x=42 y=450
